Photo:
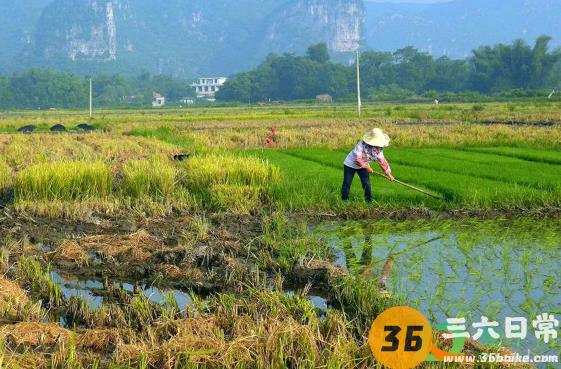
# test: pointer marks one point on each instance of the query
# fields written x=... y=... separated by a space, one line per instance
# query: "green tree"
x=45 y=89
x=237 y=88
x=6 y=99
x=449 y=75
x=318 y=53
x=543 y=62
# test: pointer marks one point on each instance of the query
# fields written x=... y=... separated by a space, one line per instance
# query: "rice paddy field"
x=181 y=238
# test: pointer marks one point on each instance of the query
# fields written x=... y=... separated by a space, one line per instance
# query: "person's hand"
x=390 y=177
x=369 y=170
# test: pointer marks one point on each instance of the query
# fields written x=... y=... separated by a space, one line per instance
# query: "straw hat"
x=376 y=138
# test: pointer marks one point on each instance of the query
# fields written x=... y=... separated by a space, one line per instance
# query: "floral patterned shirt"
x=363 y=154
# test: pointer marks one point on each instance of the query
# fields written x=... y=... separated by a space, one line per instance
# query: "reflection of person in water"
x=366 y=257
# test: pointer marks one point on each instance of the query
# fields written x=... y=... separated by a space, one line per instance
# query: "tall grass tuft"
x=154 y=178
x=240 y=199
x=232 y=183
x=5 y=174
x=203 y=171
x=63 y=181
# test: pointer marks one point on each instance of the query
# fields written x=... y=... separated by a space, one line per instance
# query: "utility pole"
x=91 y=100
x=358 y=100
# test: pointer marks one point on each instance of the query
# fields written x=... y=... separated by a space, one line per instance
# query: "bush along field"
x=182 y=239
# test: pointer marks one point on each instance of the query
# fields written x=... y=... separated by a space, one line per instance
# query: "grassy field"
x=466 y=179
x=517 y=112
x=129 y=163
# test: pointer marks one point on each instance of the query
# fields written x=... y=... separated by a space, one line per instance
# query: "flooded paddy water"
x=461 y=268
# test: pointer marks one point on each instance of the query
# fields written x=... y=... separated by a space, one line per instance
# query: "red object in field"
x=271 y=137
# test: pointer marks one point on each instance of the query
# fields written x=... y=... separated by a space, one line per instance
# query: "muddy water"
x=467 y=269
x=93 y=292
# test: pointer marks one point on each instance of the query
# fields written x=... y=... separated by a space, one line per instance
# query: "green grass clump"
x=153 y=178
x=63 y=181
x=285 y=243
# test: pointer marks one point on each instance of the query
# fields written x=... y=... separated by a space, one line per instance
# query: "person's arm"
x=385 y=166
x=360 y=160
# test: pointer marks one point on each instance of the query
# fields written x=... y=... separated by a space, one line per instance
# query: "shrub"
x=154 y=178
x=63 y=181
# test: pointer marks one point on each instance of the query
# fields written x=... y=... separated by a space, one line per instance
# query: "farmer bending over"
x=358 y=161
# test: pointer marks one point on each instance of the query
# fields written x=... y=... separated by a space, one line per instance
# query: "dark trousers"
x=349 y=174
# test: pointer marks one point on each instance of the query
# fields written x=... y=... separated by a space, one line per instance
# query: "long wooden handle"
x=412 y=187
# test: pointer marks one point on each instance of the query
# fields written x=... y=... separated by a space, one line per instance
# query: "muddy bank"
x=216 y=254
x=430 y=214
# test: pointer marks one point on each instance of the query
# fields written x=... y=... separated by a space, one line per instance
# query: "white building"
x=158 y=100
x=207 y=87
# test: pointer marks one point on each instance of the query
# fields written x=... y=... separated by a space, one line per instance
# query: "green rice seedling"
x=312 y=188
x=361 y=300
x=311 y=180
x=170 y=309
x=165 y=134
x=63 y=181
x=459 y=183
x=70 y=355
x=39 y=281
x=530 y=154
x=141 y=310
x=200 y=226
x=285 y=243
x=148 y=178
x=513 y=170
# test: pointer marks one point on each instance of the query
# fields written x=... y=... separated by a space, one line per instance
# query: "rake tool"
x=412 y=187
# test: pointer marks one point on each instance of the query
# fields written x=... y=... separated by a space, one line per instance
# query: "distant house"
x=187 y=101
x=208 y=87
x=324 y=98
x=158 y=100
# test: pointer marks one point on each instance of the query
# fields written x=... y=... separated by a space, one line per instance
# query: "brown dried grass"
x=170 y=271
x=70 y=251
x=103 y=339
x=137 y=246
x=10 y=291
x=33 y=334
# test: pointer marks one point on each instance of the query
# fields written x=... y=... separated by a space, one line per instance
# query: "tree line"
x=43 y=89
x=517 y=69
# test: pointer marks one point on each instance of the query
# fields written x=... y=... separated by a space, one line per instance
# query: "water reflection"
x=460 y=268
